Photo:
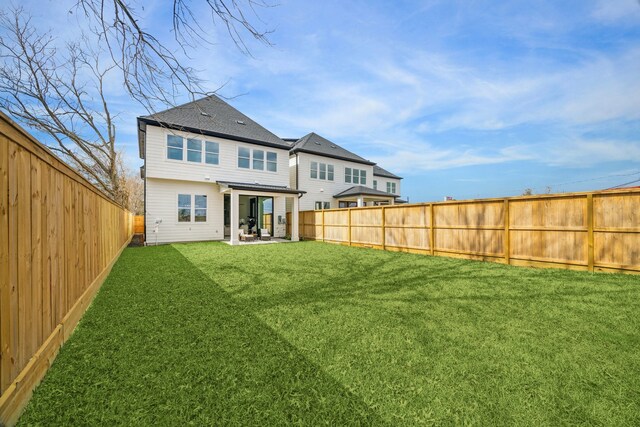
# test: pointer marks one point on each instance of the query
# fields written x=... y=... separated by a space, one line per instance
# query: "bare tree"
x=62 y=94
x=133 y=186
x=153 y=73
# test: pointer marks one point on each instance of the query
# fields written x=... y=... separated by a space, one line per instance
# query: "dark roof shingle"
x=378 y=171
x=357 y=190
x=315 y=144
x=213 y=116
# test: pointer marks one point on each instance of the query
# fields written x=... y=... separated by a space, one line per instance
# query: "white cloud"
x=610 y=11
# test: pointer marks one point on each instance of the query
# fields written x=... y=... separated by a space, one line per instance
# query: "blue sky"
x=462 y=98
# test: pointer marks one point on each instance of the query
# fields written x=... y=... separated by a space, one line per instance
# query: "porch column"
x=235 y=220
x=294 y=220
x=360 y=201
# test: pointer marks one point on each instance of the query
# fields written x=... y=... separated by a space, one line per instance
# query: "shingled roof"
x=315 y=144
x=358 y=190
x=378 y=171
x=213 y=116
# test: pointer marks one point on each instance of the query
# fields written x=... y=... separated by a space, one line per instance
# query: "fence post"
x=507 y=233
x=323 y=225
x=384 y=237
x=432 y=237
x=349 y=224
x=590 y=255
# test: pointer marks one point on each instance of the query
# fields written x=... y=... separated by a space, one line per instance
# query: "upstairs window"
x=212 y=153
x=244 y=158
x=174 y=147
x=391 y=187
x=355 y=176
x=272 y=161
x=375 y=184
x=258 y=160
x=194 y=150
x=322 y=171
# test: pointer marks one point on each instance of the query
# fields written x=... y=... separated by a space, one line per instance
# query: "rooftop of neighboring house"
x=214 y=117
x=313 y=143
x=378 y=171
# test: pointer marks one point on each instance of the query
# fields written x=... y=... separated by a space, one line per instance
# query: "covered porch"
x=359 y=195
x=256 y=207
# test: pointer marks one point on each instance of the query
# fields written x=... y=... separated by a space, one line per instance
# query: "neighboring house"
x=333 y=177
x=210 y=170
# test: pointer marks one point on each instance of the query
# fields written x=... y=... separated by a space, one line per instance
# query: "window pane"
x=347 y=174
x=363 y=177
x=318 y=205
x=327 y=205
x=211 y=147
x=375 y=184
x=174 y=141
x=200 y=201
x=323 y=171
x=184 y=215
x=258 y=159
x=244 y=158
x=212 y=158
x=194 y=144
x=272 y=166
x=314 y=170
x=272 y=157
x=356 y=176
x=174 y=153
x=200 y=215
x=194 y=156
x=184 y=200
x=330 y=172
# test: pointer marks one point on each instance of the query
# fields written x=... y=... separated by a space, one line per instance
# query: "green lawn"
x=313 y=333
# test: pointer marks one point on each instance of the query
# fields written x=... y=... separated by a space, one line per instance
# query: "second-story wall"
x=319 y=190
x=158 y=165
x=382 y=184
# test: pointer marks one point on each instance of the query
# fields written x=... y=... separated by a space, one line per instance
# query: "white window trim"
x=192 y=209
x=264 y=161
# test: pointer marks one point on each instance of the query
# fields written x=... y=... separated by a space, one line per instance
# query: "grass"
x=313 y=334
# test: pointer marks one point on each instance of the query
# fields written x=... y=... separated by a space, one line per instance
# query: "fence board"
x=59 y=237
x=586 y=231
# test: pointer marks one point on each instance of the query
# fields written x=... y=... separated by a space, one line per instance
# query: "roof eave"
x=302 y=150
x=159 y=123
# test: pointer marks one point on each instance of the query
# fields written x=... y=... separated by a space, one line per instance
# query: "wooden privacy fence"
x=138 y=224
x=59 y=237
x=584 y=231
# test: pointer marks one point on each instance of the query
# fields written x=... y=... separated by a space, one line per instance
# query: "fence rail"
x=59 y=237
x=597 y=231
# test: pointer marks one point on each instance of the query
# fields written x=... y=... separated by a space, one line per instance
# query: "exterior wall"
x=158 y=166
x=382 y=184
x=313 y=187
x=162 y=203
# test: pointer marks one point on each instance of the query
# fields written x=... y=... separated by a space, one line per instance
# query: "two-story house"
x=333 y=177
x=210 y=170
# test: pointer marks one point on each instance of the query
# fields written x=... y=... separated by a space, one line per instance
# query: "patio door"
x=264 y=207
